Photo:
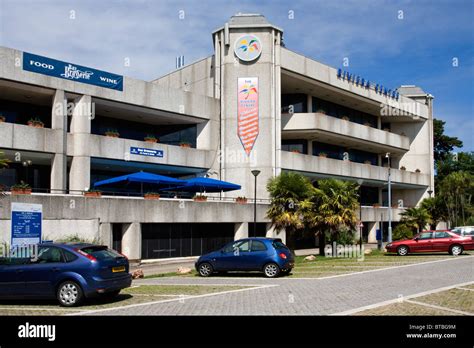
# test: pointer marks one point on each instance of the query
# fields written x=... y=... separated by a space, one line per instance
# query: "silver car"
x=464 y=230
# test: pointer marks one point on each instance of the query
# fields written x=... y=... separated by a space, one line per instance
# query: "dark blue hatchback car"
x=267 y=255
x=69 y=272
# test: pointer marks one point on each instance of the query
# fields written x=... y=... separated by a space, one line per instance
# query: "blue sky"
x=418 y=49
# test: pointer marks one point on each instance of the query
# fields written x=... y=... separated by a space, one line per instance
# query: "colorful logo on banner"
x=247 y=112
x=248 y=48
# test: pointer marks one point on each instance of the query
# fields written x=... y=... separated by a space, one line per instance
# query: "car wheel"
x=402 y=250
x=271 y=270
x=205 y=269
x=455 y=250
x=69 y=294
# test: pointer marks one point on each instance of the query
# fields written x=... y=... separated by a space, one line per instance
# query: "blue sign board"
x=146 y=152
x=68 y=71
x=26 y=223
x=360 y=81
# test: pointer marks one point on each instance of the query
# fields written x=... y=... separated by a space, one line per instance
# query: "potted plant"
x=367 y=162
x=241 y=200
x=395 y=206
x=345 y=118
x=376 y=205
x=321 y=111
x=417 y=170
x=403 y=168
x=2 y=118
x=21 y=189
x=367 y=124
x=152 y=195
x=35 y=122
x=93 y=193
x=386 y=129
x=150 y=138
x=296 y=151
x=112 y=133
x=322 y=154
x=185 y=144
x=200 y=198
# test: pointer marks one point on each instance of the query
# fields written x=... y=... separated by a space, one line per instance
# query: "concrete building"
x=252 y=104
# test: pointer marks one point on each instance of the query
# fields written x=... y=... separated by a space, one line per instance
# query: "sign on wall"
x=248 y=48
x=247 y=112
x=146 y=152
x=68 y=71
x=26 y=223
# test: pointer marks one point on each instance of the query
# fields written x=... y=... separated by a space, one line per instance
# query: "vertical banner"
x=26 y=223
x=247 y=112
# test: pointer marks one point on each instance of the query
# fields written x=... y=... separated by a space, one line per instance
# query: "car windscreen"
x=101 y=252
x=279 y=245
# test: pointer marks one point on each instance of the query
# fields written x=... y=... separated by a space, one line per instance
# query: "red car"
x=432 y=241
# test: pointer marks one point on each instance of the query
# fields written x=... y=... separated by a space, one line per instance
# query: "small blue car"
x=267 y=255
x=69 y=272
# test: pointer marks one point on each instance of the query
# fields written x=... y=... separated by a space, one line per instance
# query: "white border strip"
x=446 y=309
x=398 y=300
x=171 y=300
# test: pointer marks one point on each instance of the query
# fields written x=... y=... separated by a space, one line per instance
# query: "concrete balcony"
x=309 y=125
x=23 y=137
x=119 y=149
x=322 y=167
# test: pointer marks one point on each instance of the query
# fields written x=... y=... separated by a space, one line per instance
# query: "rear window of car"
x=101 y=252
x=279 y=245
x=68 y=256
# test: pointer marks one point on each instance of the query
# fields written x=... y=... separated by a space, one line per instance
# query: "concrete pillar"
x=59 y=161
x=105 y=234
x=79 y=176
x=310 y=147
x=241 y=230
x=310 y=103
x=372 y=238
x=132 y=240
x=272 y=233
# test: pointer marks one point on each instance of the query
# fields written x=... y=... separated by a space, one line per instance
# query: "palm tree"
x=436 y=208
x=416 y=217
x=457 y=190
x=3 y=161
x=288 y=191
x=332 y=207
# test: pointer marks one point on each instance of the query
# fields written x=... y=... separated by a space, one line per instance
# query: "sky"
x=429 y=43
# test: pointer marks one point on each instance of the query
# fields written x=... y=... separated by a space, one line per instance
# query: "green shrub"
x=74 y=238
x=344 y=236
x=402 y=231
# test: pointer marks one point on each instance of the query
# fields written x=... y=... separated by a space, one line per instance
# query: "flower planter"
x=367 y=124
x=112 y=135
x=395 y=206
x=93 y=194
x=200 y=199
x=323 y=155
x=2 y=119
x=185 y=145
x=21 y=191
x=241 y=200
x=345 y=118
x=151 y=140
x=295 y=151
x=367 y=162
x=320 y=111
x=403 y=168
x=376 y=205
x=152 y=196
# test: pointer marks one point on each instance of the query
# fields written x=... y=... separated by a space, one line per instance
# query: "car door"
x=234 y=257
x=423 y=242
x=258 y=255
x=41 y=274
x=441 y=241
x=11 y=277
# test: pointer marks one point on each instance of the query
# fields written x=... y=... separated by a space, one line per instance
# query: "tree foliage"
x=417 y=217
x=443 y=144
x=457 y=190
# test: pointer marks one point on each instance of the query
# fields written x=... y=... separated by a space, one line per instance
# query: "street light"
x=387 y=155
x=255 y=174
x=360 y=181
x=430 y=192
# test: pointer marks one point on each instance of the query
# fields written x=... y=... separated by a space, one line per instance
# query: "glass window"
x=279 y=245
x=258 y=246
x=101 y=252
x=441 y=235
x=68 y=256
x=49 y=254
x=239 y=245
x=425 y=235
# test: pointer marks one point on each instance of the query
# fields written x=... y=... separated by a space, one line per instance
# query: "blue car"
x=267 y=255
x=68 y=272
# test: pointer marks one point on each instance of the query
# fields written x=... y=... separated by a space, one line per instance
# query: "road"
x=293 y=296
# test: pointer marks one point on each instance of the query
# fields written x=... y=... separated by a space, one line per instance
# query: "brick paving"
x=292 y=296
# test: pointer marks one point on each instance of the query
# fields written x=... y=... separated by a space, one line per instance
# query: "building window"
x=339 y=111
x=298 y=145
x=299 y=103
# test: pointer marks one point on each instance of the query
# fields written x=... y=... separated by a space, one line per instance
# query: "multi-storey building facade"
x=252 y=104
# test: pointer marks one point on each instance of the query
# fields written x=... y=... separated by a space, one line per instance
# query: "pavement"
x=339 y=294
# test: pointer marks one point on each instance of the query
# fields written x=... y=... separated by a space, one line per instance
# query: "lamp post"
x=387 y=155
x=360 y=181
x=255 y=174
x=430 y=192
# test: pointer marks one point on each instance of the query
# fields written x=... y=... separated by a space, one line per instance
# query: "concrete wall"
x=308 y=123
x=134 y=92
x=197 y=77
